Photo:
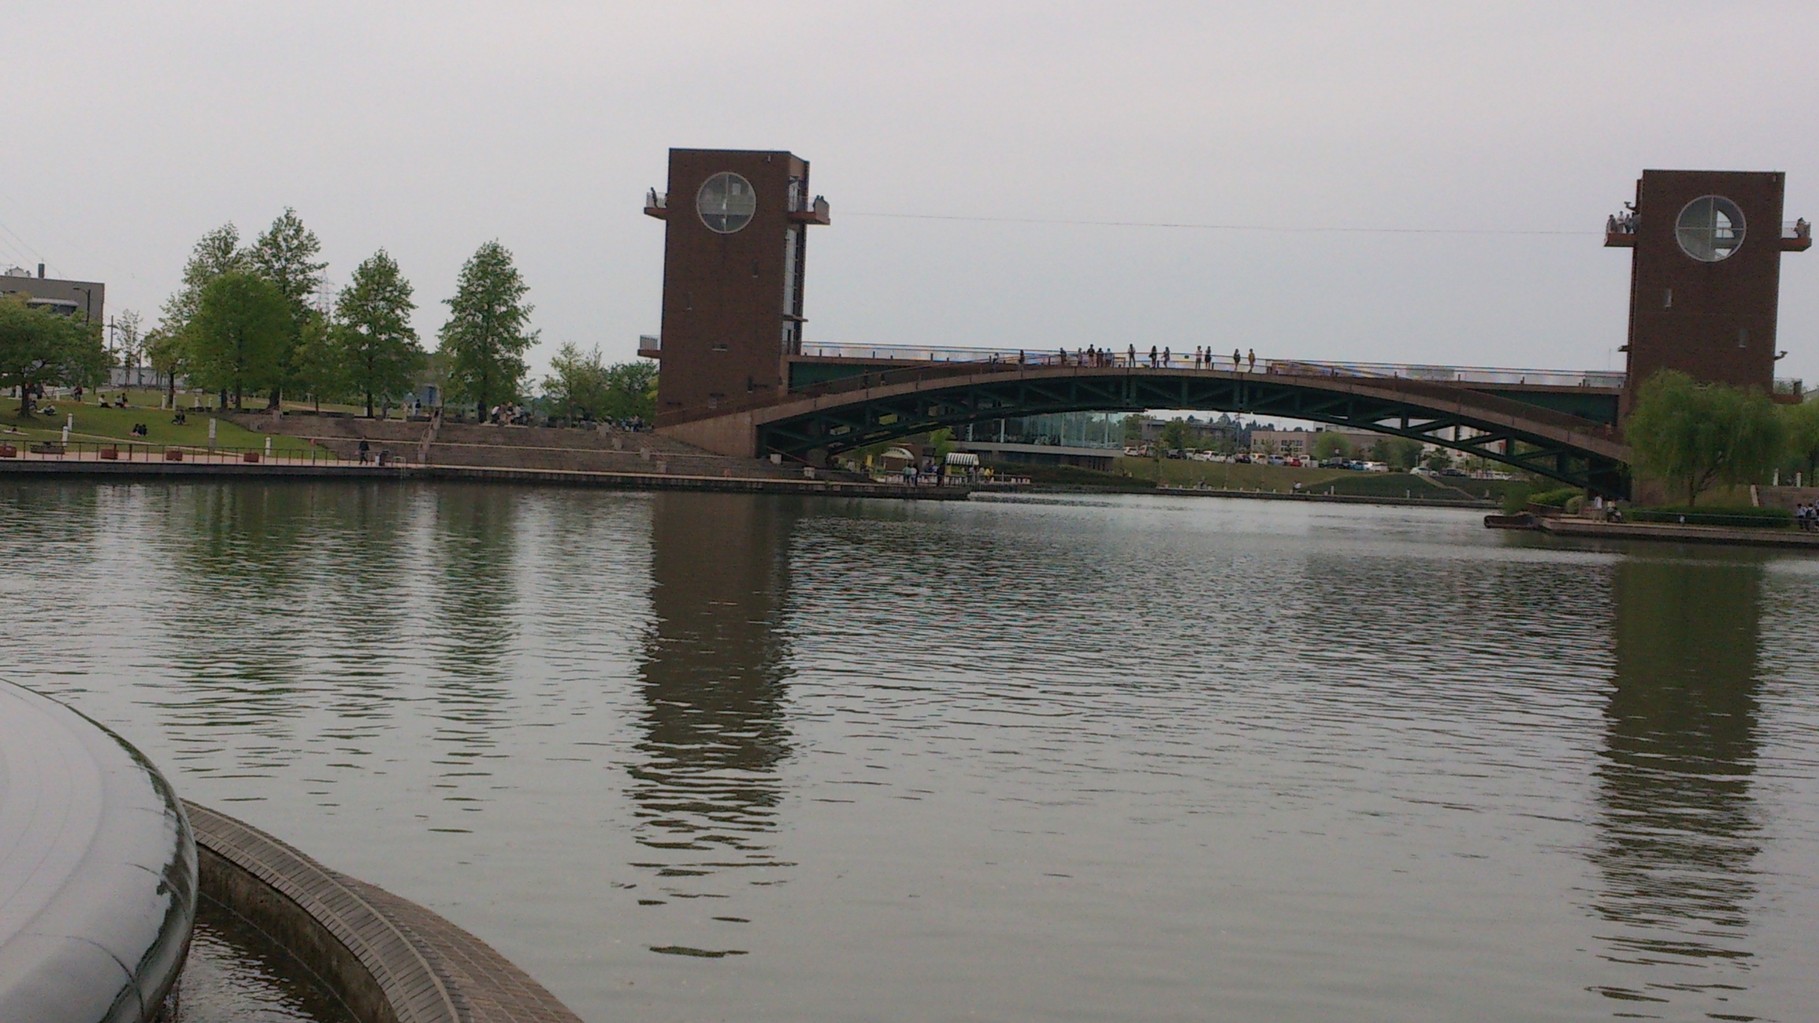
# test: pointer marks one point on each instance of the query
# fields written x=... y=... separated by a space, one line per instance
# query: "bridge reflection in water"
x=1678 y=824
x=713 y=680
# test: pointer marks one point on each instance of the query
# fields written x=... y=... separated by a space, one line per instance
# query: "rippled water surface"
x=703 y=757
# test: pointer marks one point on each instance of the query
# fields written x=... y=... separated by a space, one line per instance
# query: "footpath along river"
x=704 y=757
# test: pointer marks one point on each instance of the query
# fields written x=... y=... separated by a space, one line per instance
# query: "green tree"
x=319 y=367
x=577 y=385
x=129 y=338
x=631 y=390
x=214 y=254
x=1328 y=444
x=237 y=338
x=1133 y=430
x=168 y=353
x=374 y=332
x=1174 y=435
x=286 y=256
x=39 y=347
x=1692 y=435
x=1437 y=459
x=488 y=329
x=1802 y=424
x=1399 y=453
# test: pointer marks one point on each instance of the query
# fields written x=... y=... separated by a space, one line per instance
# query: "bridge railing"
x=1605 y=379
x=1188 y=360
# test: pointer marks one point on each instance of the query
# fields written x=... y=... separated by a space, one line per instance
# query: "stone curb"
x=408 y=965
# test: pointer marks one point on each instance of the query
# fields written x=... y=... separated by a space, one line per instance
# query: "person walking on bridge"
x=1152 y=356
x=1253 y=355
x=1234 y=360
x=1133 y=355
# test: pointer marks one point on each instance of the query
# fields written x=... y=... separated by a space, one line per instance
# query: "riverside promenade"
x=734 y=476
x=1567 y=525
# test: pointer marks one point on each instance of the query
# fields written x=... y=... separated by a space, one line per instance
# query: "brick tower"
x=1705 y=275
x=735 y=244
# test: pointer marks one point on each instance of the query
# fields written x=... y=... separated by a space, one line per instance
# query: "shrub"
x=1516 y=498
x=1553 y=498
x=1736 y=518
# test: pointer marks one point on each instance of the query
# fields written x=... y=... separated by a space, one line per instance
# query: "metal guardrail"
x=1189 y=360
x=26 y=449
x=1603 y=379
x=1626 y=224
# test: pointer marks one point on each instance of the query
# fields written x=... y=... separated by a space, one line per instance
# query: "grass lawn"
x=1180 y=472
x=94 y=423
x=1185 y=472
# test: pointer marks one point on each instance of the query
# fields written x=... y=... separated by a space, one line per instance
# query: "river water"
x=725 y=757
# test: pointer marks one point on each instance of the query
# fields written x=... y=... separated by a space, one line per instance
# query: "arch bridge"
x=1518 y=418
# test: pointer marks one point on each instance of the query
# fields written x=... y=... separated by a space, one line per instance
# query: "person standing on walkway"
x=1253 y=354
x=1235 y=359
x=1165 y=356
x=1152 y=356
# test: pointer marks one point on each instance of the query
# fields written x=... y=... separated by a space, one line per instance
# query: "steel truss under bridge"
x=1575 y=451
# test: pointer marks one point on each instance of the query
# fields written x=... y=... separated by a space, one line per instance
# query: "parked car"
x=1453 y=471
x=1422 y=470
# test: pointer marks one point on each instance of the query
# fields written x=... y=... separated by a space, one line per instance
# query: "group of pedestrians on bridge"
x=1163 y=358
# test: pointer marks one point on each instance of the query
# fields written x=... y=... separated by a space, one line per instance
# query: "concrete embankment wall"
x=389 y=960
x=517 y=447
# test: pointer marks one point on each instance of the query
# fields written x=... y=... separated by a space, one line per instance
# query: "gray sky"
x=1408 y=182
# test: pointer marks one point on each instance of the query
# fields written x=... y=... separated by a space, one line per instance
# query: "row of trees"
x=243 y=323
x=582 y=386
x=1693 y=436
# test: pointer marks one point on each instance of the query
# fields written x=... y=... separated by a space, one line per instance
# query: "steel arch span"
x=1568 y=448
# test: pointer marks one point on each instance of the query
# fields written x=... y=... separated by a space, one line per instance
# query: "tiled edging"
x=389 y=959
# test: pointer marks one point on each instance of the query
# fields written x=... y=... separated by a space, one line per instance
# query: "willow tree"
x=488 y=330
x=1802 y=422
x=1691 y=435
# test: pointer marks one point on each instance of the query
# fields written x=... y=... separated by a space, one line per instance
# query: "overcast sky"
x=1407 y=182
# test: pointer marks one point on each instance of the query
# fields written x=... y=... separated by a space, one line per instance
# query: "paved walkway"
x=429 y=970
x=1567 y=525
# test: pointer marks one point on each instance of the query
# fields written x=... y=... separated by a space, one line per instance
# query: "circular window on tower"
x=726 y=202
x=1710 y=228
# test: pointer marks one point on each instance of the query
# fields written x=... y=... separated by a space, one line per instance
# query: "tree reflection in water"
x=712 y=679
x=1679 y=827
